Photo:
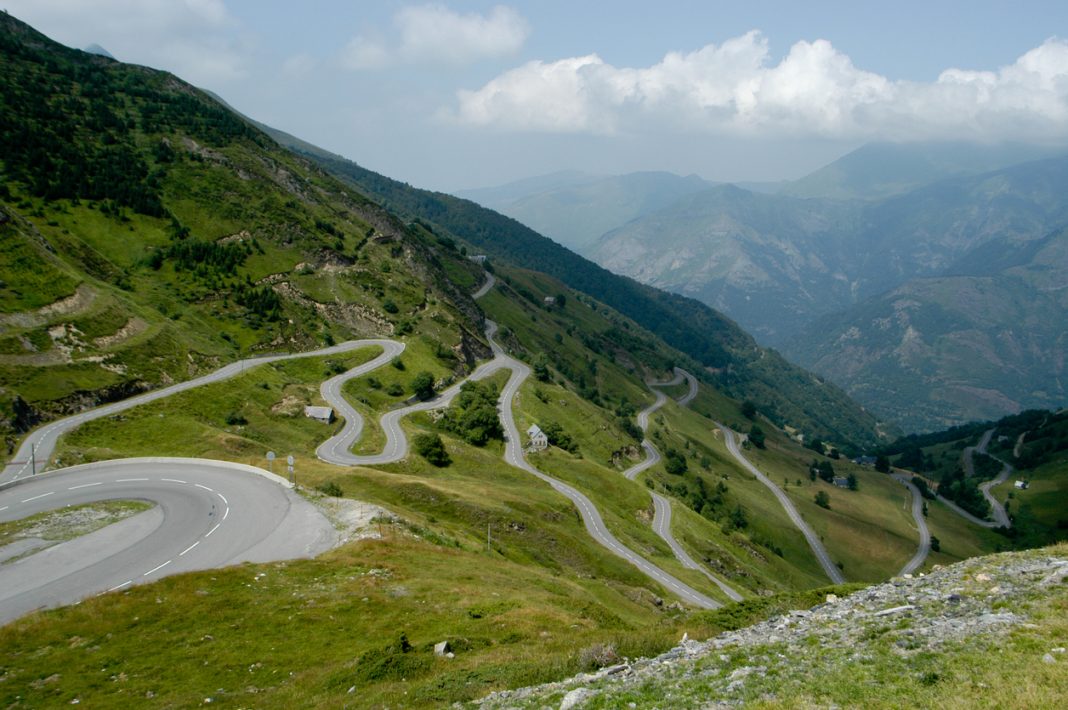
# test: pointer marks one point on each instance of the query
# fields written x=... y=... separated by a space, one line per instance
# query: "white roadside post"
x=289 y=462
x=270 y=461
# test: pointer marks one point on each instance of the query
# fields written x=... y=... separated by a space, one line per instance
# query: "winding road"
x=214 y=513
x=1001 y=517
x=924 y=548
x=207 y=514
x=661 y=504
x=732 y=441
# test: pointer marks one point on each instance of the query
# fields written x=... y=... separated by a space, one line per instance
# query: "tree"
x=756 y=436
x=851 y=481
x=936 y=544
x=423 y=385
x=823 y=500
x=738 y=518
x=675 y=463
x=749 y=409
x=432 y=448
x=541 y=368
x=473 y=414
x=882 y=464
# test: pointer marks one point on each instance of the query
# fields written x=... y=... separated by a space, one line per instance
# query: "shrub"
x=597 y=656
x=236 y=419
x=331 y=488
x=423 y=385
x=432 y=448
x=823 y=500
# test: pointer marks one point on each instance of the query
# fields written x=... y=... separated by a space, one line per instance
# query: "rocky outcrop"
x=966 y=608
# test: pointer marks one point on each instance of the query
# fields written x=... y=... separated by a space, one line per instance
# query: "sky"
x=456 y=95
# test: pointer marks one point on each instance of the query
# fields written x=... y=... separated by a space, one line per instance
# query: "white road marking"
x=204 y=487
x=43 y=495
x=156 y=569
x=172 y=480
x=189 y=548
x=4 y=508
x=227 y=513
x=85 y=485
x=120 y=586
x=130 y=480
x=213 y=530
x=223 y=498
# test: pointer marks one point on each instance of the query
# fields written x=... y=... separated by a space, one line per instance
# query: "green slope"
x=728 y=356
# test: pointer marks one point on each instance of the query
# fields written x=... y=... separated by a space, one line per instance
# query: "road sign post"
x=270 y=461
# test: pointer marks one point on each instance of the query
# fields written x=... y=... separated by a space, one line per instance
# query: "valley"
x=283 y=431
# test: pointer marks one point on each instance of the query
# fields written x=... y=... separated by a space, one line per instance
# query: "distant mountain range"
x=831 y=252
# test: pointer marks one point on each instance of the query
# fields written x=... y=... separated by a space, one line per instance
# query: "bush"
x=395 y=390
x=756 y=436
x=332 y=489
x=675 y=463
x=423 y=385
x=432 y=448
x=823 y=500
x=236 y=419
x=597 y=656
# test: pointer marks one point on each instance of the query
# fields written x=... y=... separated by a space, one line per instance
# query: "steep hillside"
x=148 y=234
x=942 y=351
x=726 y=355
x=577 y=212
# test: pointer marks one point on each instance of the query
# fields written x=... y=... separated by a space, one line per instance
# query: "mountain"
x=149 y=235
x=575 y=209
x=95 y=48
x=723 y=352
x=984 y=340
x=776 y=263
x=880 y=170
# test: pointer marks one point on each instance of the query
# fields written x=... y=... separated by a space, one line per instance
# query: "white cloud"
x=192 y=38
x=429 y=34
x=814 y=91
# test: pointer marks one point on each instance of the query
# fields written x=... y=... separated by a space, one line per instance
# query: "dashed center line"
x=189 y=548
x=204 y=487
x=120 y=586
x=156 y=569
x=212 y=530
x=172 y=480
x=130 y=480
x=85 y=485
x=43 y=495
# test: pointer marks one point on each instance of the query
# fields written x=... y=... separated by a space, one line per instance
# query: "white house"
x=538 y=440
x=1022 y=484
x=321 y=414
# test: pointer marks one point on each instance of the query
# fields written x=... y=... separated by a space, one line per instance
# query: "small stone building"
x=538 y=440
x=320 y=414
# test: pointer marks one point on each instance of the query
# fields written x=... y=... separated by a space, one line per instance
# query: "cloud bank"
x=430 y=34
x=814 y=91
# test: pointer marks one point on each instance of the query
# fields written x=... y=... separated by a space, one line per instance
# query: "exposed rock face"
x=967 y=607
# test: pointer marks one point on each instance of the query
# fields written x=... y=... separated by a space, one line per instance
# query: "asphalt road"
x=207 y=514
x=811 y=537
x=921 y=524
x=43 y=441
x=661 y=505
x=1001 y=517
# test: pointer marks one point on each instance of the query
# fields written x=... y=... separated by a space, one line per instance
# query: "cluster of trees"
x=559 y=437
x=964 y=492
x=473 y=414
x=70 y=123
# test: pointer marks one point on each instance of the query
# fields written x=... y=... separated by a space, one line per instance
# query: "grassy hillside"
x=728 y=357
x=148 y=235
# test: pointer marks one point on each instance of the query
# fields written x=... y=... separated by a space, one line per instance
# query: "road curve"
x=43 y=440
x=591 y=517
x=1001 y=516
x=921 y=524
x=207 y=514
x=811 y=537
x=661 y=504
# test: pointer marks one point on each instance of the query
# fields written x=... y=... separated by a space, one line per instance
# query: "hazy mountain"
x=574 y=209
x=775 y=263
x=96 y=49
x=941 y=351
x=879 y=170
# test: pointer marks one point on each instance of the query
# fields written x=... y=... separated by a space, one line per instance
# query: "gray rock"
x=576 y=697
